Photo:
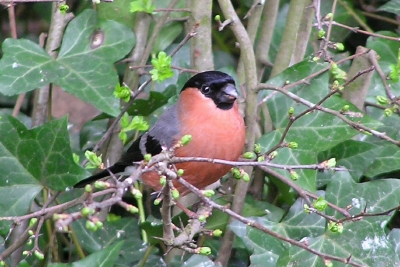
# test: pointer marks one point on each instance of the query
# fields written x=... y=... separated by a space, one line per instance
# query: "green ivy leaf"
x=84 y=66
x=105 y=257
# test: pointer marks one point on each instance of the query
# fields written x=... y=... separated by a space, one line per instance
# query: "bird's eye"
x=205 y=89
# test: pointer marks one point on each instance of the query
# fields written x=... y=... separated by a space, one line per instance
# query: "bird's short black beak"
x=230 y=93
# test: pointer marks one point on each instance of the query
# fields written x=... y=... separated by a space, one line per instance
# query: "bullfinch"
x=208 y=111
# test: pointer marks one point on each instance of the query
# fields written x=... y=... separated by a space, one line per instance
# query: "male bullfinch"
x=207 y=110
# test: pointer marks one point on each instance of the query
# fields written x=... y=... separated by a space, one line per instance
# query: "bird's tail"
x=104 y=173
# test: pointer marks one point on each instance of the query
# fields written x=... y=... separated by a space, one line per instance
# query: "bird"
x=207 y=109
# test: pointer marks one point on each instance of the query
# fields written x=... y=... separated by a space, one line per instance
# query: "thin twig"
x=373 y=59
x=266 y=230
x=357 y=30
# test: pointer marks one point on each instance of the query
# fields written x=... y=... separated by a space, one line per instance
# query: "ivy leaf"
x=162 y=67
x=84 y=66
x=392 y=6
x=40 y=156
x=105 y=257
x=32 y=159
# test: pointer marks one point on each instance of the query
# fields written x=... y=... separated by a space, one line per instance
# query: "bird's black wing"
x=133 y=154
x=163 y=133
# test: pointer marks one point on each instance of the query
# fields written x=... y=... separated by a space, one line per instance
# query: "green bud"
x=99 y=224
x=88 y=188
x=180 y=172
x=236 y=173
x=382 y=100
x=205 y=251
x=260 y=158
x=56 y=217
x=335 y=85
x=293 y=145
x=157 y=201
x=335 y=227
x=345 y=108
x=86 y=211
x=306 y=208
x=321 y=34
x=94 y=160
x=249 y=155
x=132 y=209
x=217 y=18
x=328 y=16
x=111 y=217
x=273 y=155
x=175 y=193
x=388 y=112
x=291 y=111
x=25 y=253
x=2 y=263
x=339 y=46
x=122 y=92
x=38 y=255
x=147 y=157
x=31 y=233
x=315 y=59
x=320 y=204
x=217 y=232
x=331 y=163
x=29 y=242
x=91 y=226
x=328 y=263
x=136 y=193
x=101 y=185
x=32 y=222
x=208 y=193
x=245 y=177
x=202 y=218
x=257 y=148
x=294 y=175
x=186 y=139
x=337 y=73
x=163 y=180
x=63 y=8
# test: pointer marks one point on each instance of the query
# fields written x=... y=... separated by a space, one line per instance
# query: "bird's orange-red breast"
x=207 y=109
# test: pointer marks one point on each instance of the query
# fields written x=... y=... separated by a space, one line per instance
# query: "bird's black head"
x=218 y=86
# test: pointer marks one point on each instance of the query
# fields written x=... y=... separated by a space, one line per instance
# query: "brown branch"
x=172 y=10
x=257 y=225
x=251 y=80
x=373 y=58
x=319 y=167
x=380 y=17
x=357 y=30
x=328 y=34
x=355 y=125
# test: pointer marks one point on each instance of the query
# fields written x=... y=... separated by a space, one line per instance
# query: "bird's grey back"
x=166 y=129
